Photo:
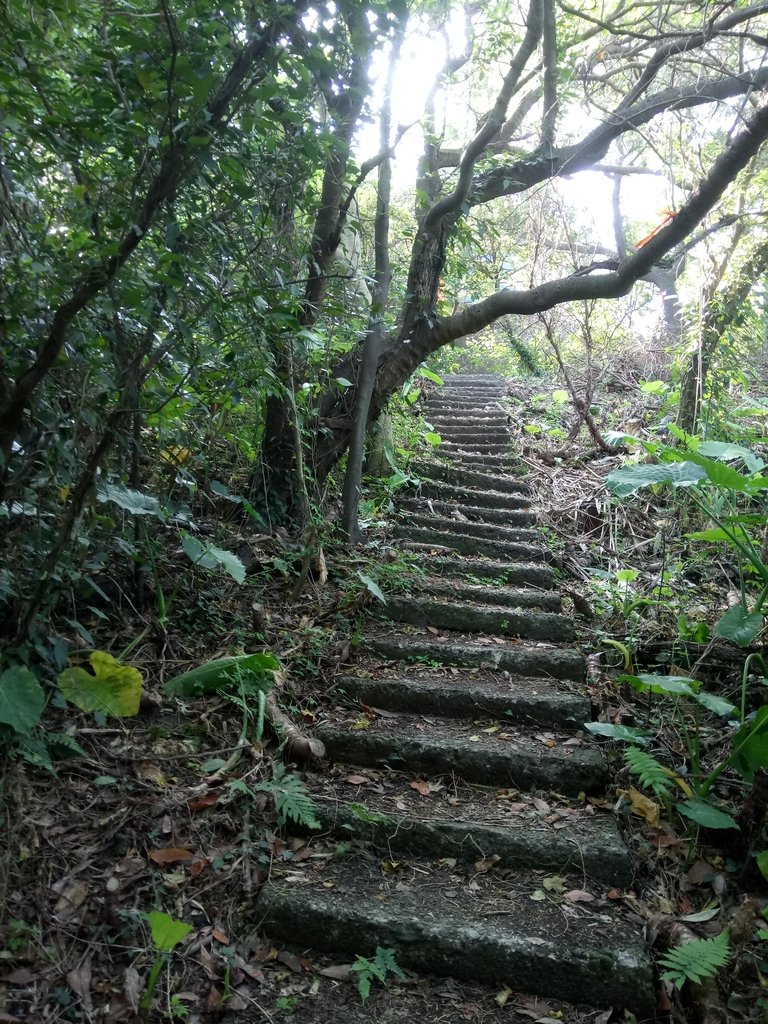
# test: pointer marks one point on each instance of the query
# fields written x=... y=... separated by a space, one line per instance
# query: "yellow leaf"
x=644 y=807
x=113 y=688
x=501 y=997
x=63 y=493
x=391 y=866
x=492 y=730
x=474 y=739
x=174 y=455
x=362 y=723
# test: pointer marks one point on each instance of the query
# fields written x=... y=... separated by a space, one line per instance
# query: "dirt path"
x=459 y=773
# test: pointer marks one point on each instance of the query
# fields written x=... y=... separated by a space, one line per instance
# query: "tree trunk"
x=376 y=333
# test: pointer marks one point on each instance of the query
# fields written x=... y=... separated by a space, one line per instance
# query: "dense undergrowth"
x=116 y=816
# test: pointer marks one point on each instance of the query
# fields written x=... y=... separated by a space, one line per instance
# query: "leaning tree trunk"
x=724 y=311
x=376 y=333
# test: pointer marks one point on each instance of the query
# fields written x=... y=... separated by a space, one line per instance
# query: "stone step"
x=472 y=497
x=485 y=464
x=503 y=448
x=469 y=545
x=481 y=481
x=477 y=462
x=537 y=660
x=491 y=531
x=495 y=621
x=462 y=428
x=469 y=618
x=509 y=757
x=461 y=376
x=507 y=597
x=472 y=422
x=489 y=573
x=464 y=406
x=436 y=922
x=477 y=391
x=530 y=702
x=467 y=823
x=459 y=512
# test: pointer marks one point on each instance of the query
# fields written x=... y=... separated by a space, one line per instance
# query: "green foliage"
x=22 y=699
x=372 y=587
x=721 y=492
x=166 y=932
x=696 y=960
x=704 y=814
x=375 y=968
x=256 y=671
x=620 y=733
x=111 y=689
x=650 y=773
x=292 y=802
x=209 y=556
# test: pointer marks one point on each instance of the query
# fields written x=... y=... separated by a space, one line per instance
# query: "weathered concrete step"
x=521 y=659
x=389 y=814
x=471 y=496
x=482 y=481
x=459 y=512
x=487 y=572
x=509 y=757
x=469 y=618
x=485 y=447
x=528 y=702
x=491 y=531
x=437 y=924
x=468 y=545
x=463 y=406
x=479 y=462
x=484 y=464
x=473 y=421
x=478 y=393
x=506 y=597
x=497 y=435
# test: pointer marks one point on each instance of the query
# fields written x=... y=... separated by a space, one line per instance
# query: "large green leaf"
x=718 y=705
x=224 y=673
x=730 y=452
x=671 y=686
x=625 y=481
x=22 y=699
x=750 y=745
x=210 y=557
x=373 y=587
x=705 y=814
x=739 y=625
x=622 y=733
x=135 y=502
x=167 y=932
x=113 y=689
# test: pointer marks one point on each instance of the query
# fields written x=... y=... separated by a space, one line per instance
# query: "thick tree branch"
x=724 y=170
x=523 y=174
x=549 y=50
x=449 y=204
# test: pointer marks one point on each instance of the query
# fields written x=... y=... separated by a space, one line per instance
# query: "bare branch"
x=549 y=49
x=493 y=123
x=610 y=285
x=581 y=156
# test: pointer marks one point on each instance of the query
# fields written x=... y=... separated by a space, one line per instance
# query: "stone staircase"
x=459 y=761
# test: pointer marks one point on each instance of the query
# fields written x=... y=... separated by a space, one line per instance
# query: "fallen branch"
x=292 y=739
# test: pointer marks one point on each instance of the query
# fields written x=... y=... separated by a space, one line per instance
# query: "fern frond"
x=291 y=798
x=650 y=773
x=697 y=960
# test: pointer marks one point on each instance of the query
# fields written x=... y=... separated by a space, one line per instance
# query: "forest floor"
x=148 y=821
